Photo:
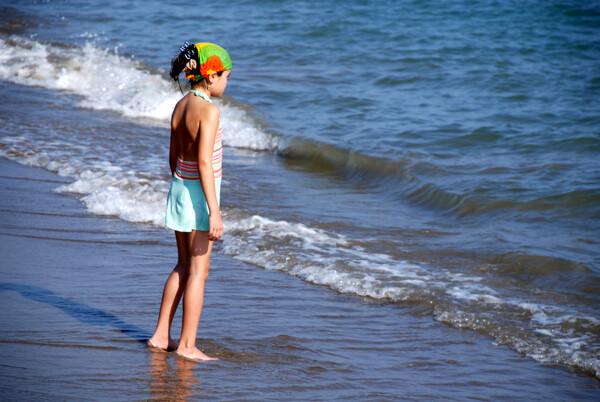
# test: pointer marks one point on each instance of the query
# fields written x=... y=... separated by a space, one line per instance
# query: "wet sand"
x=80 y=294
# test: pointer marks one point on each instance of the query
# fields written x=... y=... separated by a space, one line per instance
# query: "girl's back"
x=186 y=125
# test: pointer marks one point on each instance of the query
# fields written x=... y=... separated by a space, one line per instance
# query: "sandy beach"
x=80 y=295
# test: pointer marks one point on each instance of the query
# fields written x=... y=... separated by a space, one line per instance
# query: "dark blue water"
x=443 y=155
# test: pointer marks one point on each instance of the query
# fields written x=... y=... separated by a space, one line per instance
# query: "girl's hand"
x=216 y=227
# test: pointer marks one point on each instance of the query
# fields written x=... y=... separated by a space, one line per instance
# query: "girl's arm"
x=209 y=124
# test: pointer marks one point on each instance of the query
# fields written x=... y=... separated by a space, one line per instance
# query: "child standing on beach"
x=195 y=158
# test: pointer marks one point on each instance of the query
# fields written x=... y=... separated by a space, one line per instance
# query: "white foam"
x=107 y=81
x=558 y=334
x=124 y=195
x=322 y=258
x=263 y=227
x=464 y=291
x=325 y=258
x=241 y=131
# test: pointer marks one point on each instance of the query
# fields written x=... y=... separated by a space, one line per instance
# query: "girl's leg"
x=199 y=250
x=172 y=292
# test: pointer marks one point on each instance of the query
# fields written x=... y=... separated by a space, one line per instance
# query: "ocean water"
x=444 y=157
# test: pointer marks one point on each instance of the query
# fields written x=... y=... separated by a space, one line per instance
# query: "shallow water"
x=439 y=157
x=80 y=295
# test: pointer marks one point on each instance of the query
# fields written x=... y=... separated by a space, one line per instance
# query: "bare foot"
x=194 y=354
x=162 y=344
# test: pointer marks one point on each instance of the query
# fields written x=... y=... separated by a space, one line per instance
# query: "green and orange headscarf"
x=211 y=58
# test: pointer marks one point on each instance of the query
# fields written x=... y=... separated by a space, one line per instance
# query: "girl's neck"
x=201 y=88
x=201 y=94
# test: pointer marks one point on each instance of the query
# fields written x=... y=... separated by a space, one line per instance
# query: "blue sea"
x=439 y=156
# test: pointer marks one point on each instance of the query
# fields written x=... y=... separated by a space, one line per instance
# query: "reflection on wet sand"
x=172 y=378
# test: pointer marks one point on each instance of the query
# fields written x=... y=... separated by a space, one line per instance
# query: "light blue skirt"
x=186 y=205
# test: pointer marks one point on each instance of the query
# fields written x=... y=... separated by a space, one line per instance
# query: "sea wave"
x=106 y=80
x=544 y=329
x=412 y=178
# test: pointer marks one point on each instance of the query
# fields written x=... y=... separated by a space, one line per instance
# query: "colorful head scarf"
x=211 y=59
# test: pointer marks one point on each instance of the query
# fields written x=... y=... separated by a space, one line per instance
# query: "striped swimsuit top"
x=189 y=170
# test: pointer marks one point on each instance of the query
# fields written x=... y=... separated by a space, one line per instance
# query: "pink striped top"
x=189 y=170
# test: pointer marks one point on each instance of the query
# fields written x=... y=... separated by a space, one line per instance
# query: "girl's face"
x=219 y=84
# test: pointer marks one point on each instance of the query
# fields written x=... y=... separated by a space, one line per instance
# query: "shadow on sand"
x=81 y=312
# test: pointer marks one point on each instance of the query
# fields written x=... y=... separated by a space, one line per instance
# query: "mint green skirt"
x=186 y=205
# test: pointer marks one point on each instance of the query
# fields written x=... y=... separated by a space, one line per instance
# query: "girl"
x=193 y=203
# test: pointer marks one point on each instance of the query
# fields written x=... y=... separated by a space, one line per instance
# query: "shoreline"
x=81 y=294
